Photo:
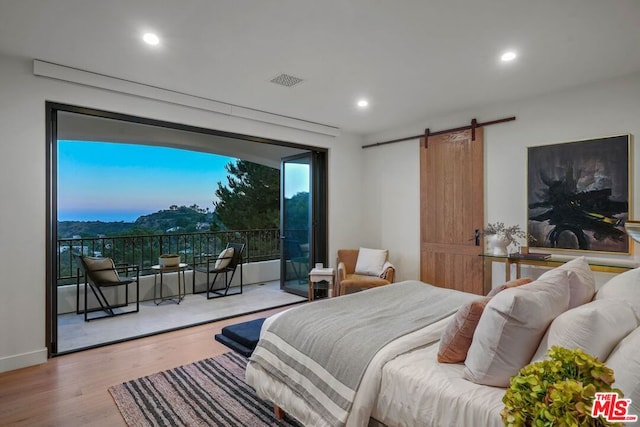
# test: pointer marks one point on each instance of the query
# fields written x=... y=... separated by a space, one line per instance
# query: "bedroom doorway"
x=452 y=210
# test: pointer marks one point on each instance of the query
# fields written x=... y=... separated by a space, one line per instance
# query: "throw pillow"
x=511 y=327
x=582 y=284
x=101 y=270
x=625 y=362
x=510 y=284
x=625 y=286
x=595 y=327
x=457 y=335
x=224 y=258
x=370 y=261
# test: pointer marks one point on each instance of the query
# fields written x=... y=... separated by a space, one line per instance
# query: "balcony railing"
x=144 y=250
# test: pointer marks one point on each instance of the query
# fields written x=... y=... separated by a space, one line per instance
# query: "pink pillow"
x=510 y=284
x=458 y=334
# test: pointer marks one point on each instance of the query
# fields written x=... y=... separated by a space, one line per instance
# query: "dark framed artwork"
x=578 y=195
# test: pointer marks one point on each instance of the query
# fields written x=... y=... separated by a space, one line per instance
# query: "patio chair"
x=226 y=262
x=101 y=274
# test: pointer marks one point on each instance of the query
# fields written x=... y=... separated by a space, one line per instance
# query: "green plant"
x=511 y=234
x=558 y=391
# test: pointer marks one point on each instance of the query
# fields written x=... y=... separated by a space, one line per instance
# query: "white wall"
x=23 y=177
x=392 y=171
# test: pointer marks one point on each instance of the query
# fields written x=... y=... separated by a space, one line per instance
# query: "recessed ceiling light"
x=362 y=103
x=151 y=38
x=508 y=56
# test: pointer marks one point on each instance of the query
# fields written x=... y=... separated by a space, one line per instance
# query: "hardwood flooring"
x=71 y=390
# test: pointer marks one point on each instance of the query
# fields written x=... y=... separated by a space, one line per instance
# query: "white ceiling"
x=411 y=58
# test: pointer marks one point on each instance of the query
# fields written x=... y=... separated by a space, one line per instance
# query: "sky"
x=102 y=181
x=120 y=182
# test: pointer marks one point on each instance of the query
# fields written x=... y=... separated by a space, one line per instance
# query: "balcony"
x=261 y=257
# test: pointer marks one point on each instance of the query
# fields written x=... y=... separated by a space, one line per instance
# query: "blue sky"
x=120 y=182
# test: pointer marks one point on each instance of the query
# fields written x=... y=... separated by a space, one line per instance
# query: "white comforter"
x=418 y=391
x=273 y=390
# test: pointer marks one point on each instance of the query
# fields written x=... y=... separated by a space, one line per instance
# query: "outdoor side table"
x=157 y=269
x=318 y=275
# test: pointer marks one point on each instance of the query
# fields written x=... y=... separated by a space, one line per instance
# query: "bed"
x=402 y=383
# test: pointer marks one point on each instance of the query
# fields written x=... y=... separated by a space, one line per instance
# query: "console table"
x=604 y=266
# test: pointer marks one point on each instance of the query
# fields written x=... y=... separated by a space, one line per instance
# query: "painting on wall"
x=578 y=195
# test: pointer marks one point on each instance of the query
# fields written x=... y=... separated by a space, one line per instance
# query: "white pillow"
x=511 y=327
x=224 y=258
x=582 y=283
x=625 y=362
x=625 y=286
x=370 y=261
x=595 y=327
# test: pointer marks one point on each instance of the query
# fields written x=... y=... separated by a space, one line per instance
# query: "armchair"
x=348 y=279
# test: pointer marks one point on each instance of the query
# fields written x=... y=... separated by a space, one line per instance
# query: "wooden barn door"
x=451 y=210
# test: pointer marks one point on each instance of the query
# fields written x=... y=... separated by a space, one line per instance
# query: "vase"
x=498 y=244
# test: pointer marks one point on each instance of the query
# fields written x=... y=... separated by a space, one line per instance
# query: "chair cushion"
x=224 y=258
x=370 y=261
x=511 y=328
x=101 y=270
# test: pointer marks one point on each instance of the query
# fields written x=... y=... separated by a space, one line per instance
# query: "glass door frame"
x=318 y=224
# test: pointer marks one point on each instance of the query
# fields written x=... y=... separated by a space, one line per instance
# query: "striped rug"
x=211 y=392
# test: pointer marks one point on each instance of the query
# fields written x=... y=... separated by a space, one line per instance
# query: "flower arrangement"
x=511 y=234
x=557 y=391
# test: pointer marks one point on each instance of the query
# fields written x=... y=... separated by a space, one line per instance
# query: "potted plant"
x=501 y=236
x=169 y=260
x=557 y=391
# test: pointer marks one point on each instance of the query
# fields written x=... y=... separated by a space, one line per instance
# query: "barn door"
x=451 y=210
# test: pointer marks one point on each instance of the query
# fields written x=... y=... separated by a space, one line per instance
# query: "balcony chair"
x=363 y=268
x=100 y=274
x=227 y=262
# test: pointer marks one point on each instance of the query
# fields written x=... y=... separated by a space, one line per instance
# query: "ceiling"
x=411 y=58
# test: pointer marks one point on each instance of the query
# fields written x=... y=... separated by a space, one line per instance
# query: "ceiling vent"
x=286 y=80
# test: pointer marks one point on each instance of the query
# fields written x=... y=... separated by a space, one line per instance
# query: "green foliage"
x=558 y=391
x=251 y=197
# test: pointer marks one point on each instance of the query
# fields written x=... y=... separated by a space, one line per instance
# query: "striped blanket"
x=322 y=350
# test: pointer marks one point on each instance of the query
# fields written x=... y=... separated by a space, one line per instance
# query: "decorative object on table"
x=500 y=237
x=557 y=391
x=578 y=194
x=169 y=260
x=206 y=392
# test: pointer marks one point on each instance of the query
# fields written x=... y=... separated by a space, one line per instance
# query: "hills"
x=176 y=219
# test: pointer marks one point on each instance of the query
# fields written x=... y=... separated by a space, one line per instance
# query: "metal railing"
x=144 y=250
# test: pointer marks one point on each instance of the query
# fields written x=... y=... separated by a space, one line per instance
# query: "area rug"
x=211 y=392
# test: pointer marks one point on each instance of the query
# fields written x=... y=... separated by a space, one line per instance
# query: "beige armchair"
x=348 y=279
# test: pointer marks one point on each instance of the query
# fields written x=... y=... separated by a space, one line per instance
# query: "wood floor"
x=71 y=390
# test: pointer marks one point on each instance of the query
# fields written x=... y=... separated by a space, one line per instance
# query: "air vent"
x=286 y=80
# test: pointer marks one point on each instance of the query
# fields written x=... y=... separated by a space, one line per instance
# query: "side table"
x=157 y=269
x=318 y=275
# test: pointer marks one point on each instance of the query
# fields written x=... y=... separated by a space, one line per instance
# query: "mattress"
x=416 y=390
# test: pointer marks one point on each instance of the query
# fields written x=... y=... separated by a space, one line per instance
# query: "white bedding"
x=416 y=390
x=269 y=388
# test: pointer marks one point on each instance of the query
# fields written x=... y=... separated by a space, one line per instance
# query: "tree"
x=251 y=198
